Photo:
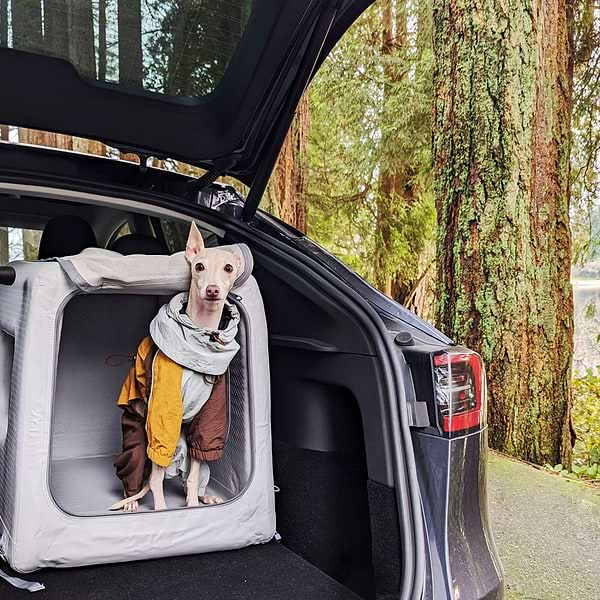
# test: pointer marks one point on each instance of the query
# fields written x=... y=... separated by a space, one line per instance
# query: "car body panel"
x=463 y=560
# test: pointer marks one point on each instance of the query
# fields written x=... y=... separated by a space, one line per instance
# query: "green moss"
x=509 y=295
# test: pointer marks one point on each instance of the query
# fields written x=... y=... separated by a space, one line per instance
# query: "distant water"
x=586 y=298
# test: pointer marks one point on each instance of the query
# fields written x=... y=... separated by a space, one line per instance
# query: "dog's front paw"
x=131 y=506
x=211 y=500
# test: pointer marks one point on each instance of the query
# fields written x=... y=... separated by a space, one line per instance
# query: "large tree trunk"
x=81 y=37
x=56 y=12
x=289 y=182
x=27 y=35
x=419 y=295
x=57 y=44
x=502 y=105
x=49 y=139
x=27 y=24
x=83 y=55
x=4 y=254
x=102 y=56
x=394 y=185
x=386 y=192
x=131 y=69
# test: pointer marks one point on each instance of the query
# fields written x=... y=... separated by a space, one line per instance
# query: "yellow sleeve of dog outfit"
x=165 y=404
x=165 y=410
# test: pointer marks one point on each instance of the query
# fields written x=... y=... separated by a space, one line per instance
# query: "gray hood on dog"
x=202 y=350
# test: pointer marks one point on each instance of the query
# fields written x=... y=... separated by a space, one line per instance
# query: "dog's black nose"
x=212 y=292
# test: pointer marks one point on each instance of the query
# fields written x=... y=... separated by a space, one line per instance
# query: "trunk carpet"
x=267 y=572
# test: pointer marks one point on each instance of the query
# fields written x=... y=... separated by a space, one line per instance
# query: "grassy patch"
x=586 y=421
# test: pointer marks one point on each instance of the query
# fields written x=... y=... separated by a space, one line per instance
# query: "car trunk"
x=337 y=446
x=325 y=501
x=320 y=468
x=336 y=506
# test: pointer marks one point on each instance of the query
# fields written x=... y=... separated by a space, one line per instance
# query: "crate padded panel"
x=99 y=335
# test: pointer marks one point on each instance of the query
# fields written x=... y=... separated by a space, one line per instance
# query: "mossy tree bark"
x=502 y=105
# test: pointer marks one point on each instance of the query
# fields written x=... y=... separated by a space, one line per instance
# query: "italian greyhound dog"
x=213 y=273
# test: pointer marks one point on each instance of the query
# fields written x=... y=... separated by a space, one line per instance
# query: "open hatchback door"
x=214 y=84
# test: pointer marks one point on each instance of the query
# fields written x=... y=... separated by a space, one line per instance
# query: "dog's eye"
x=199 y=267
x=229 y=268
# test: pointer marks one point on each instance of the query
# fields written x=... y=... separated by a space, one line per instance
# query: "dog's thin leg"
x=192 y=483
x=156 y=487
x=202 y=483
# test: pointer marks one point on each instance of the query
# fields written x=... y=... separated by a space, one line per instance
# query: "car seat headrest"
x=137 y=243
x=66 y=235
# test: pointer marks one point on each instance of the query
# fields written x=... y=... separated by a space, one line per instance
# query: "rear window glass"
x=119 y=233
x=172 y=47
x=176 y=235
x=18 y=244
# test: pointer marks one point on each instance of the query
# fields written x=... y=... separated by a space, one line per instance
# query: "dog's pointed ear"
x=194 y=244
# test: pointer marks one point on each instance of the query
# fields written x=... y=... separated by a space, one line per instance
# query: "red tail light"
x=460 y=392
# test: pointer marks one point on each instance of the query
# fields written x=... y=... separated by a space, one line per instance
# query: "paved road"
x=547 y=530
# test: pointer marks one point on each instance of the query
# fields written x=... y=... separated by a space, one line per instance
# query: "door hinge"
x=218 y=169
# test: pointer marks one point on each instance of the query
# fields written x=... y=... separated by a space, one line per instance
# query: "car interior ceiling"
x=323 y=369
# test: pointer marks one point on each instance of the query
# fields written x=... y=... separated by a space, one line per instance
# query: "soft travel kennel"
x=66 y=335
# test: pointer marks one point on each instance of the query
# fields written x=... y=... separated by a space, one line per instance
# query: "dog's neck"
x=203 y=314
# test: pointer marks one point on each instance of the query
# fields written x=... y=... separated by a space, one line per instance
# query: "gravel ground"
x=547 y=530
